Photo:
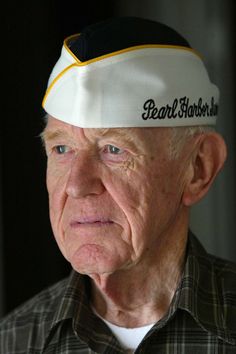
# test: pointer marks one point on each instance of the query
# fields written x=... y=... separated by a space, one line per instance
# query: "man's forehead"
x=56 y=128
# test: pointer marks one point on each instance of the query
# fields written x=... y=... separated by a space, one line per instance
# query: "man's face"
x=114 y=194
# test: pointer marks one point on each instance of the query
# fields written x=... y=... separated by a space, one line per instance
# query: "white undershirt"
x=129 y=338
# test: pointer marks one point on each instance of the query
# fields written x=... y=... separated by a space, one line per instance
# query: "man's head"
x=123 y=168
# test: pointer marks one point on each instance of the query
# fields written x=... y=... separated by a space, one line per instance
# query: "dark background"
x=32 y=37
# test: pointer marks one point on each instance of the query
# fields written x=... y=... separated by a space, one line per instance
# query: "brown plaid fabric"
x=200 y=320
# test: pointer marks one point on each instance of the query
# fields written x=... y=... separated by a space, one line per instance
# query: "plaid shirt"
x=201 y=318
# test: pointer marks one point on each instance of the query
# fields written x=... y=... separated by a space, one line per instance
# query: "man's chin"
x=94 y=259
x=94 y=271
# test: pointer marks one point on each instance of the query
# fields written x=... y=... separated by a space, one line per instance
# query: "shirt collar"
x=68 y=305
x=200 y=292
x=75 y=306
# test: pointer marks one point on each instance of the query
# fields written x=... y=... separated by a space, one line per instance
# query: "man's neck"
x=141 y=295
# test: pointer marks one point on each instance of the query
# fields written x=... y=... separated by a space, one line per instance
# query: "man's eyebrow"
x=48 y=135
x=114 y=131
x=125 y=133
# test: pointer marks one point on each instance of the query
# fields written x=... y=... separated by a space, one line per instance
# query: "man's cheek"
x=56 y=182
x=57 y=201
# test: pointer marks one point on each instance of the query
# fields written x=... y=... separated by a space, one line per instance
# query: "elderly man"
x=131 y=147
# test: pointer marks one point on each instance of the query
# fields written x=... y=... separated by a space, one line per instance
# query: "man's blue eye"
x=114 y=150
x=61 y=149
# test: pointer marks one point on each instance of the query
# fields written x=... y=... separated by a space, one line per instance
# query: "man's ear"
x=209 y=158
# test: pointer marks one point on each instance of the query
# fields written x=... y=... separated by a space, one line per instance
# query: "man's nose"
x=84 y=178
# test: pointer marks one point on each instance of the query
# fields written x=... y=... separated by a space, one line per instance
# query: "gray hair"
x=180 y=135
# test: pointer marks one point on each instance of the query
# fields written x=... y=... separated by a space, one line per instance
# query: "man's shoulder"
x=225 y=270
x=36 y=310
x=220 y=274
x=225 y=275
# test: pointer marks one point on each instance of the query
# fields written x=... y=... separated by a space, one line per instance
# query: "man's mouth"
x=91 y=222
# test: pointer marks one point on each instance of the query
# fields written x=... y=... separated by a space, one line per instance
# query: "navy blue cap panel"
x=122 y=32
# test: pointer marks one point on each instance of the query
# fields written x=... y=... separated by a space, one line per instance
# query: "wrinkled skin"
x=114 y=194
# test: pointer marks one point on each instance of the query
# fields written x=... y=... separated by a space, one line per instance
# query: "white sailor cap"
x=130 y=72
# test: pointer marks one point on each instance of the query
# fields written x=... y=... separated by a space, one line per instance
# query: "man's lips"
x=90 y=221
